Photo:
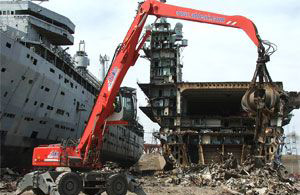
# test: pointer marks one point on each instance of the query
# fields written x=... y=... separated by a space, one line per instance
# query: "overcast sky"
x=214 y=53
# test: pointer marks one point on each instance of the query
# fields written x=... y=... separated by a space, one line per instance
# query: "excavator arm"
x=160 y=9
x=87 y=152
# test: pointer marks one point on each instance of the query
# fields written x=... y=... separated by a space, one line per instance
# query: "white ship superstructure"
x=46 y=95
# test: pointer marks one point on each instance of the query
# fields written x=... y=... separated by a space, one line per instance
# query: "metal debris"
x=246 y=178
x=8 y=180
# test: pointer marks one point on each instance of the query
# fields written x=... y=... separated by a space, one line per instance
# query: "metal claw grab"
x=262 y=99
x=264 y=93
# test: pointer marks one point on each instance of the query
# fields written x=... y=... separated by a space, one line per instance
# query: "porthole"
x=34 y=62
x=34 y=134
x=8 y=45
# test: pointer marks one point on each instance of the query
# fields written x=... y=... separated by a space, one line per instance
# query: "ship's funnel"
x=178 y=30
x=80 y=58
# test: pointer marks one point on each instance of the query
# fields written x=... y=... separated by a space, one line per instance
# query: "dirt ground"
x=184 y=190
x=176 y=190
x=168 y=190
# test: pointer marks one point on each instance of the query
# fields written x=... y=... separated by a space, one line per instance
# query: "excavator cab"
x=125 y=105
x=129 y=101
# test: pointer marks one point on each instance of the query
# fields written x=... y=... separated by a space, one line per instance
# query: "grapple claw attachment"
x=37 y=180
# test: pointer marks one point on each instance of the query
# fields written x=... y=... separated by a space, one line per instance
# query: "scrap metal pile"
x=225 y=177
x=233 y=178
x=8 y=180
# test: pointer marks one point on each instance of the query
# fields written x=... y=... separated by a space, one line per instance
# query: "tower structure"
x=163 y=51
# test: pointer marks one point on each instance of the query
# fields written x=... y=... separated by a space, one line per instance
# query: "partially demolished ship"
x=201 y=121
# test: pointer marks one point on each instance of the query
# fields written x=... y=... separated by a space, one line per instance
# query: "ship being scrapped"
x=201 y=121
x=46 y=95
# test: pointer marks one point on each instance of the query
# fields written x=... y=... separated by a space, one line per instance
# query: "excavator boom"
x=160 y=9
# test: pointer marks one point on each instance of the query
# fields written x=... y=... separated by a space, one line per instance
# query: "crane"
x=75 y=165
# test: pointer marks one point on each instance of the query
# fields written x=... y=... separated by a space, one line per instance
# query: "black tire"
x=38 y=191
x=116 y=185
x=69 y=183
x=91 y=191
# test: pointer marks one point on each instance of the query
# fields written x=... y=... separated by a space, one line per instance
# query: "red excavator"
x=73 y=168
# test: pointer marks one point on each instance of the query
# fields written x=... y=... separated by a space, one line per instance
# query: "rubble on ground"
x=223 y=178
x=8 y=180
x=235 y=179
